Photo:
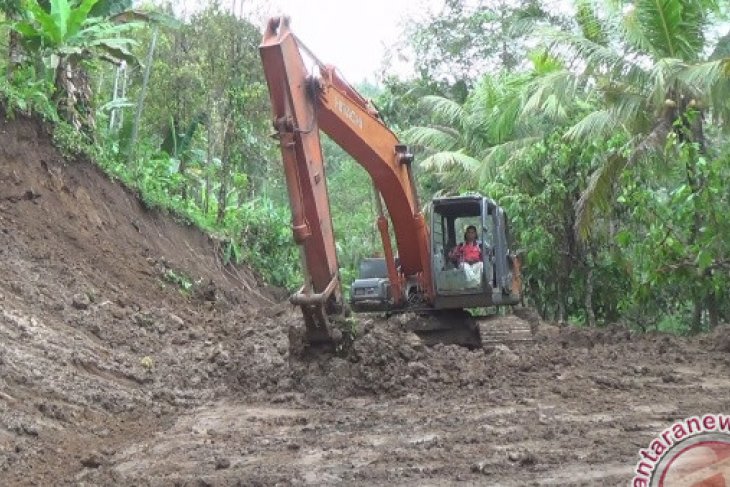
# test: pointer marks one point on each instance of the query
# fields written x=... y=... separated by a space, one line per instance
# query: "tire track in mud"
x=525 y=431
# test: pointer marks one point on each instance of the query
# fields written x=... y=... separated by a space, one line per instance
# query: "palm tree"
x=488 y=129
x=645 y=66
x=653 y=71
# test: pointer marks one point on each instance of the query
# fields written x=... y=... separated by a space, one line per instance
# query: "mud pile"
x=388 y=360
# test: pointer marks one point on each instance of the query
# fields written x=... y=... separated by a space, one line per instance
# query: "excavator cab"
x=488 y=282
x=457 y=286
x=493 y=281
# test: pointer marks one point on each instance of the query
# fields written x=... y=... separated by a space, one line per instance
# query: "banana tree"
x=11 y=9
x=61 y=38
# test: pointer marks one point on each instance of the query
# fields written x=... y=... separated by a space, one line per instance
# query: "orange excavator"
x=421 y=276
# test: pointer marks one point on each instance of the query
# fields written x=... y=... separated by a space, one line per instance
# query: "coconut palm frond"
x=549 y=95
x=534 y=99
x=598 y=124
x=673 y=28
x=432 y=138
x=597 y=58
x=442 y=162
x=502 y=154
x=523 y=26
x=663 y=77
x=485 y=94
x=443 y=109
x=630 y=28
x=539 y=89
x=597 y=195
x=543 y=63
x=479 y=109
x=555 y=108
x=702 y=78
x=493 y=110
x=590 y=25
x=719 y=100
x=631 y=112
x=506 y=121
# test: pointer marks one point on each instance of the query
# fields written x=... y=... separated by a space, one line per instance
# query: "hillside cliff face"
x=95 y=328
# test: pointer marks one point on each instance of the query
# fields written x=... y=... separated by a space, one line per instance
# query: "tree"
x=60 y=39
x=489 y=128
x=208 y=103
x=12 y=9
x=646 y=65
x=465 y=39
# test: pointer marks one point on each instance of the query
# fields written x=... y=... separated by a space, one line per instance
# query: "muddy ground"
x=130 y=356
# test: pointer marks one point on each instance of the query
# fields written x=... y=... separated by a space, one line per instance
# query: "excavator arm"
x=303 y=104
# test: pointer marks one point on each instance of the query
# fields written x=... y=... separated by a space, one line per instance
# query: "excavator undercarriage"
x=459 y=327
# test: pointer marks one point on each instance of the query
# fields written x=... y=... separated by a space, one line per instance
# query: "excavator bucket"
x=318 y=310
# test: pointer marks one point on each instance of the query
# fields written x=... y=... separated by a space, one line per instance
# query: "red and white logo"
x=694 y=452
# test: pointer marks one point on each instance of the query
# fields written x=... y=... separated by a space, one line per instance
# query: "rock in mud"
x=503 y=352
x=177 y=321
x=480 y=467
x=29 y=429
x=80 y=301
x=92 y=460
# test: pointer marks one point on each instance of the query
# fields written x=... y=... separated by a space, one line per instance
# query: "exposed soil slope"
x=93 y=326
x=111 y=375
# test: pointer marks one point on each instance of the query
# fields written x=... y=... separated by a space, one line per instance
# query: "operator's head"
x=470 y=235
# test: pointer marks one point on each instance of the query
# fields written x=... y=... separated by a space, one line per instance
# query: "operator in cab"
x=469 y=251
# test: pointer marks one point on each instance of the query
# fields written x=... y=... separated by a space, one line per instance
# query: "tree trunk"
x=695 y=134
x=73 y=95
x=209 y=163
x=15 y=53
x=225 y=171
x=183 y=169
x=713 y=312
x=562 y=321
x=115 y=118
x=695 y=325
x=222 y=192
x=590 y=313
x=131 y=155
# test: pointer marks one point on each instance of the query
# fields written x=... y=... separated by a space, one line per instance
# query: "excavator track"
x=507 y=329
x=458 y=327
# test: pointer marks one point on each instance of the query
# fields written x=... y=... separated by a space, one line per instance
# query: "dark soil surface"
x=113 y=373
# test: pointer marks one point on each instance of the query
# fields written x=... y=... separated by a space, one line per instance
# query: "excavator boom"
x=302 y=105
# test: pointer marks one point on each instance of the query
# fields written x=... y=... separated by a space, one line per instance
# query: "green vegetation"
x=179 y=279
x=608 y=144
